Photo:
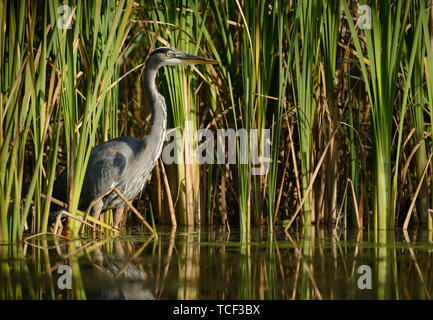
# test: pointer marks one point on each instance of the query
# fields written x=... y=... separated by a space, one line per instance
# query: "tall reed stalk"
x=417 y=113
x=283 y=74
x=329 y=183
x=428 y=69
x=308 y=19
x=383 y=47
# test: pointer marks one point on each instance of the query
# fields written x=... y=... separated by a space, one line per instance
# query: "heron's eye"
x=168 y=53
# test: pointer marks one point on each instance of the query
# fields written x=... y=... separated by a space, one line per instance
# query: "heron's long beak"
x=189 y=58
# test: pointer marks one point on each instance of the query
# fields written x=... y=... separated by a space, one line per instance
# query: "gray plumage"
x=126 y=162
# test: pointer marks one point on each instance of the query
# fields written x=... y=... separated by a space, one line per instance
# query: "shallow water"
x=217 y=264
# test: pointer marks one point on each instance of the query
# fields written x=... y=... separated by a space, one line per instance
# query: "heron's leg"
x=98 y=256
x=118 y=213
x=118 y=249
x=96 y=210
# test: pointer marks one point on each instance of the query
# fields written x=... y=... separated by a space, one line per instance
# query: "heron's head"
x=169 y=57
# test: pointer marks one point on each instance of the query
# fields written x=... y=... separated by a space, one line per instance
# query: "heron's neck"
x=156 y=100
x=158 y=121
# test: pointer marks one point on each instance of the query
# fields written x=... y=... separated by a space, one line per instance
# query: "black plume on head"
x=161 y=50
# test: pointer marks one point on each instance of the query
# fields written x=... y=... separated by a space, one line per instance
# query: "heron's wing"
x=105 y=168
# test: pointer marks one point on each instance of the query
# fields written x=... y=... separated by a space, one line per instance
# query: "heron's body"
x=126 y=162
x=109 y=164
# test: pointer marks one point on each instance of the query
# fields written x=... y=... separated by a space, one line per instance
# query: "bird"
x=126 y=162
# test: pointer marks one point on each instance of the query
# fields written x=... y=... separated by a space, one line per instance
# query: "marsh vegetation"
x=346 y=93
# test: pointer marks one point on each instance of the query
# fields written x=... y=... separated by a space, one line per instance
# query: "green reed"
x=428 y=69
x=55 y=81
x=329 y=38
x=283 y=74
x=384 y=47
x=417 y=115
x=308 y=19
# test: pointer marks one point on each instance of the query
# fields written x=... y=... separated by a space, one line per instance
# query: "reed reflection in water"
x=187 y=263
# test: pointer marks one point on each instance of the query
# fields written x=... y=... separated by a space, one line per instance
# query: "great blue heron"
x=126 y=162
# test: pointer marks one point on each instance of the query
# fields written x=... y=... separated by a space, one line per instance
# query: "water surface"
x=217 y=264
